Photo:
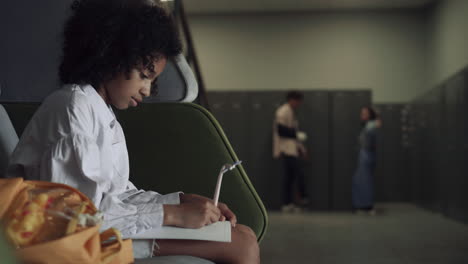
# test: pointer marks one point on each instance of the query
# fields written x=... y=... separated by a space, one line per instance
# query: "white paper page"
x=219 y=231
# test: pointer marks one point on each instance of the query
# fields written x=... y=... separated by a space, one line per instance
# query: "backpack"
x=54 y=223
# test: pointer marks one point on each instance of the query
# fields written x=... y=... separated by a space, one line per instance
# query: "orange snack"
x=27 y=221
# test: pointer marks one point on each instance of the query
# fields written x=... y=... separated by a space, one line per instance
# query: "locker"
x=264 y=171
x=314 y=118
x=392 y=182
x=454 y=179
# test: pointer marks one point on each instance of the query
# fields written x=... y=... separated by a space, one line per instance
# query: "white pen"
x=224 y=168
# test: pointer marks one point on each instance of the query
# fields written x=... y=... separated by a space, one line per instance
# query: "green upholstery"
x=6 y=251
x=178 y=147
x=181 y=147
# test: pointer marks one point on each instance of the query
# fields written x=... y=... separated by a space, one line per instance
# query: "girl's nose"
x=145 y=91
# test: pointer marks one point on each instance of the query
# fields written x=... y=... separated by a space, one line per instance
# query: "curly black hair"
x=295 y=95
x=372 y=113
x=104 y=38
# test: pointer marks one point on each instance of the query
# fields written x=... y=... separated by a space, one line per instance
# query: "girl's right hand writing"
x=192 y=213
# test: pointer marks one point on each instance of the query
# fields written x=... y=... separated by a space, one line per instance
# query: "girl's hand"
x=226 y=213
x=192 y=214
x=188 y=198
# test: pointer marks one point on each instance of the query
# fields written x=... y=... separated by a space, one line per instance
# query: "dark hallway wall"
x=438 y=148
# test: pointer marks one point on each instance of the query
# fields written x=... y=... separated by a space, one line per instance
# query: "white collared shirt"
x=75 y=139
x=285 y=116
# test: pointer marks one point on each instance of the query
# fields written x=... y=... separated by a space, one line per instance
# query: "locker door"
x=231 y=111
x=464 y=148
x=455 y=174
x=418 y=152
x=314 y=119
x=264 y=171
x=391 y=178
x=430 y=160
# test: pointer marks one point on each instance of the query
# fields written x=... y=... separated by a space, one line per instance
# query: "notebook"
x=219 y=231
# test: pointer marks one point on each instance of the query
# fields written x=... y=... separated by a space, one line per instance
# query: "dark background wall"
x=30 y=47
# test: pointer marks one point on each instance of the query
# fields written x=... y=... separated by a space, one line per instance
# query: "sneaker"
x=289 y=208
x=304 y=202
x=359 y=212
x=297 y=209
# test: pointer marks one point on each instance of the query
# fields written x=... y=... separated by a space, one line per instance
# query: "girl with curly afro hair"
x=113 y=53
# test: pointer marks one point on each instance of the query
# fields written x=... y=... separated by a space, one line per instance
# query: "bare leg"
x=242 y=249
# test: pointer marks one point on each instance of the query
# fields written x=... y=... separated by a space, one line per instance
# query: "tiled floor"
x=398 y=234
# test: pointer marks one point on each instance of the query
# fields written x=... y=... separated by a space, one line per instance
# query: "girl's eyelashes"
x=143 y=76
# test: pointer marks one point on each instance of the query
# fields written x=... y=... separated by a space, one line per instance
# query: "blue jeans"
x=293 y=171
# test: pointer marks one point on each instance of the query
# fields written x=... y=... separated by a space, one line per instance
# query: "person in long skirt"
x=363 y=180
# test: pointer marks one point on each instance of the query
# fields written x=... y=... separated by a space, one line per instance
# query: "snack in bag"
x=55 y=223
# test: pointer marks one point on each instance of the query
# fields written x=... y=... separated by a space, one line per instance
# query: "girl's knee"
x=244 y=229
x=247 y=241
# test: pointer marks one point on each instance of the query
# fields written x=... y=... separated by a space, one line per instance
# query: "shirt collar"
x=108 y=116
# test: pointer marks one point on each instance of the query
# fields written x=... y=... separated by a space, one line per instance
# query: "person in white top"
x=113 y=52
x=287 y=145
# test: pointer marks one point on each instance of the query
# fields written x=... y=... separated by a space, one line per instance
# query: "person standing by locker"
x=287 y=145
x=363 y=180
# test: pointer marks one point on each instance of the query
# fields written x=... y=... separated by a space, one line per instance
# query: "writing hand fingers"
x=228 y=214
